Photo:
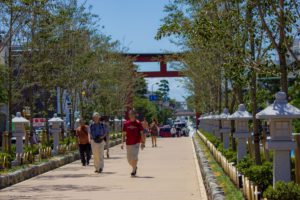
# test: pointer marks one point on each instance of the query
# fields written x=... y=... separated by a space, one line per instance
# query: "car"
x=165 y=131
x=181 y=128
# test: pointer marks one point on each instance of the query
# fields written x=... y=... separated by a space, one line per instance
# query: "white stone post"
x=19 y=132
x=225 y=130
x=241 y=117
x=280 y=115
x=56 y=130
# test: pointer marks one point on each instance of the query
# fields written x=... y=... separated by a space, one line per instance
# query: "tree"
x=145 y=108
x=279 y=21
x=226 y=50
x=163 y=88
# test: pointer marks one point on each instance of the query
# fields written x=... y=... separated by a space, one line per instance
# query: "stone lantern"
x=226 y=127
x=241 y=118
x=55 y=129
x=19 y=123
x=280 y=115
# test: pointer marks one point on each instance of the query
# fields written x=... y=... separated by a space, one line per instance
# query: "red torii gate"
x=162 y=58
x=156 y=57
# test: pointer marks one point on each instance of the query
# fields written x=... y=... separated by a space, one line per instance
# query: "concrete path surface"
x=168 y=172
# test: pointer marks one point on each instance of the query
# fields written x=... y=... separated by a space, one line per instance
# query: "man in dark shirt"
x=98 y=134
x=134 y=136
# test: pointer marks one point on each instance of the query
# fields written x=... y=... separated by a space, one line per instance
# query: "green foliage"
x=283 y=191
x=163 y=88
x=3 y=91
x=140 y=88
x=229 y=154
x=244 y=164
x=230 y=190
x=33 y=148
x=164 y=114
x=68 y=140
x=8 y=156
x=145 y=108
x=261 y=175
x=214 y=140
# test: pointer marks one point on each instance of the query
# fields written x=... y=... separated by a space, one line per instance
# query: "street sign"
x=153 y=97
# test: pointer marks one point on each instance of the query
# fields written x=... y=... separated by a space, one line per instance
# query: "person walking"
x=83 y=139
x=133 y=134
x=105 y=122
x=98 y=134
x=154 y=132
x=145 y=125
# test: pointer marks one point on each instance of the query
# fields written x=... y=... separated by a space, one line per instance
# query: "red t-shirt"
x=133 y=132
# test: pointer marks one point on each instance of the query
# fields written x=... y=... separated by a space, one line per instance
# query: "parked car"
x=165 y=131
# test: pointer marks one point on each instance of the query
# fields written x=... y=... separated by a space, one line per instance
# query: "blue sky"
x=134 y=23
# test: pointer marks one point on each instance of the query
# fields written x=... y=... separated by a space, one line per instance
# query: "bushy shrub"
x=68 y=140
x=7 y=162
x=244 y=164
x=230 y=155
x=283 y=191
x=33 y=148
x=214 y=140
x=8 y=156
x=261 y=175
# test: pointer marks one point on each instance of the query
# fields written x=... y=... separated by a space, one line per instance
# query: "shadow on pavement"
x=146 y=177
x=114 y=158
x=57 y=188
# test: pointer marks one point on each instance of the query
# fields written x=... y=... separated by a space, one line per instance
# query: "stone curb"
x=35 y=170
x=214 y=191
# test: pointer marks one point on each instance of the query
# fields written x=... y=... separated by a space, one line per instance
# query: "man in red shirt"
x=134 y=136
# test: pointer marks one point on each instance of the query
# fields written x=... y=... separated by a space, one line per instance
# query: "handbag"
x=98 y=139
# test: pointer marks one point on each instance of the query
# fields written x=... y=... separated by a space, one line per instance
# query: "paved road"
x=168 y=172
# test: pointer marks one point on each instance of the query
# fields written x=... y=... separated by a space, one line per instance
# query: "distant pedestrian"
x=154 y=132
x=107 y=138
x=82 y=134
x=98 y=134
x=133 y=134
x=173 y=131
x=145 y=125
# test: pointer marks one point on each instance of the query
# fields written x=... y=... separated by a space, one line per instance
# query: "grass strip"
x=230 y=190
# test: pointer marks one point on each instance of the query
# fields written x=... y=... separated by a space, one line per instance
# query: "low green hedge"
x=283 y=191
x=229 y=154
x=261 y=175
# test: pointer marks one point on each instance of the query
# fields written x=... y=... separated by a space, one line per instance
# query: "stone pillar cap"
x=241 y=113
x=55 y=119
x=215 y=117
x=280 y=109
x=225 y=114
x=19 y=119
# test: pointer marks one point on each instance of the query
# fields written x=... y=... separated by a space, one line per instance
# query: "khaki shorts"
x=133 y=152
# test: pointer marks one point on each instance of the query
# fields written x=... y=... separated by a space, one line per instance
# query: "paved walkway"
x=168 y=172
